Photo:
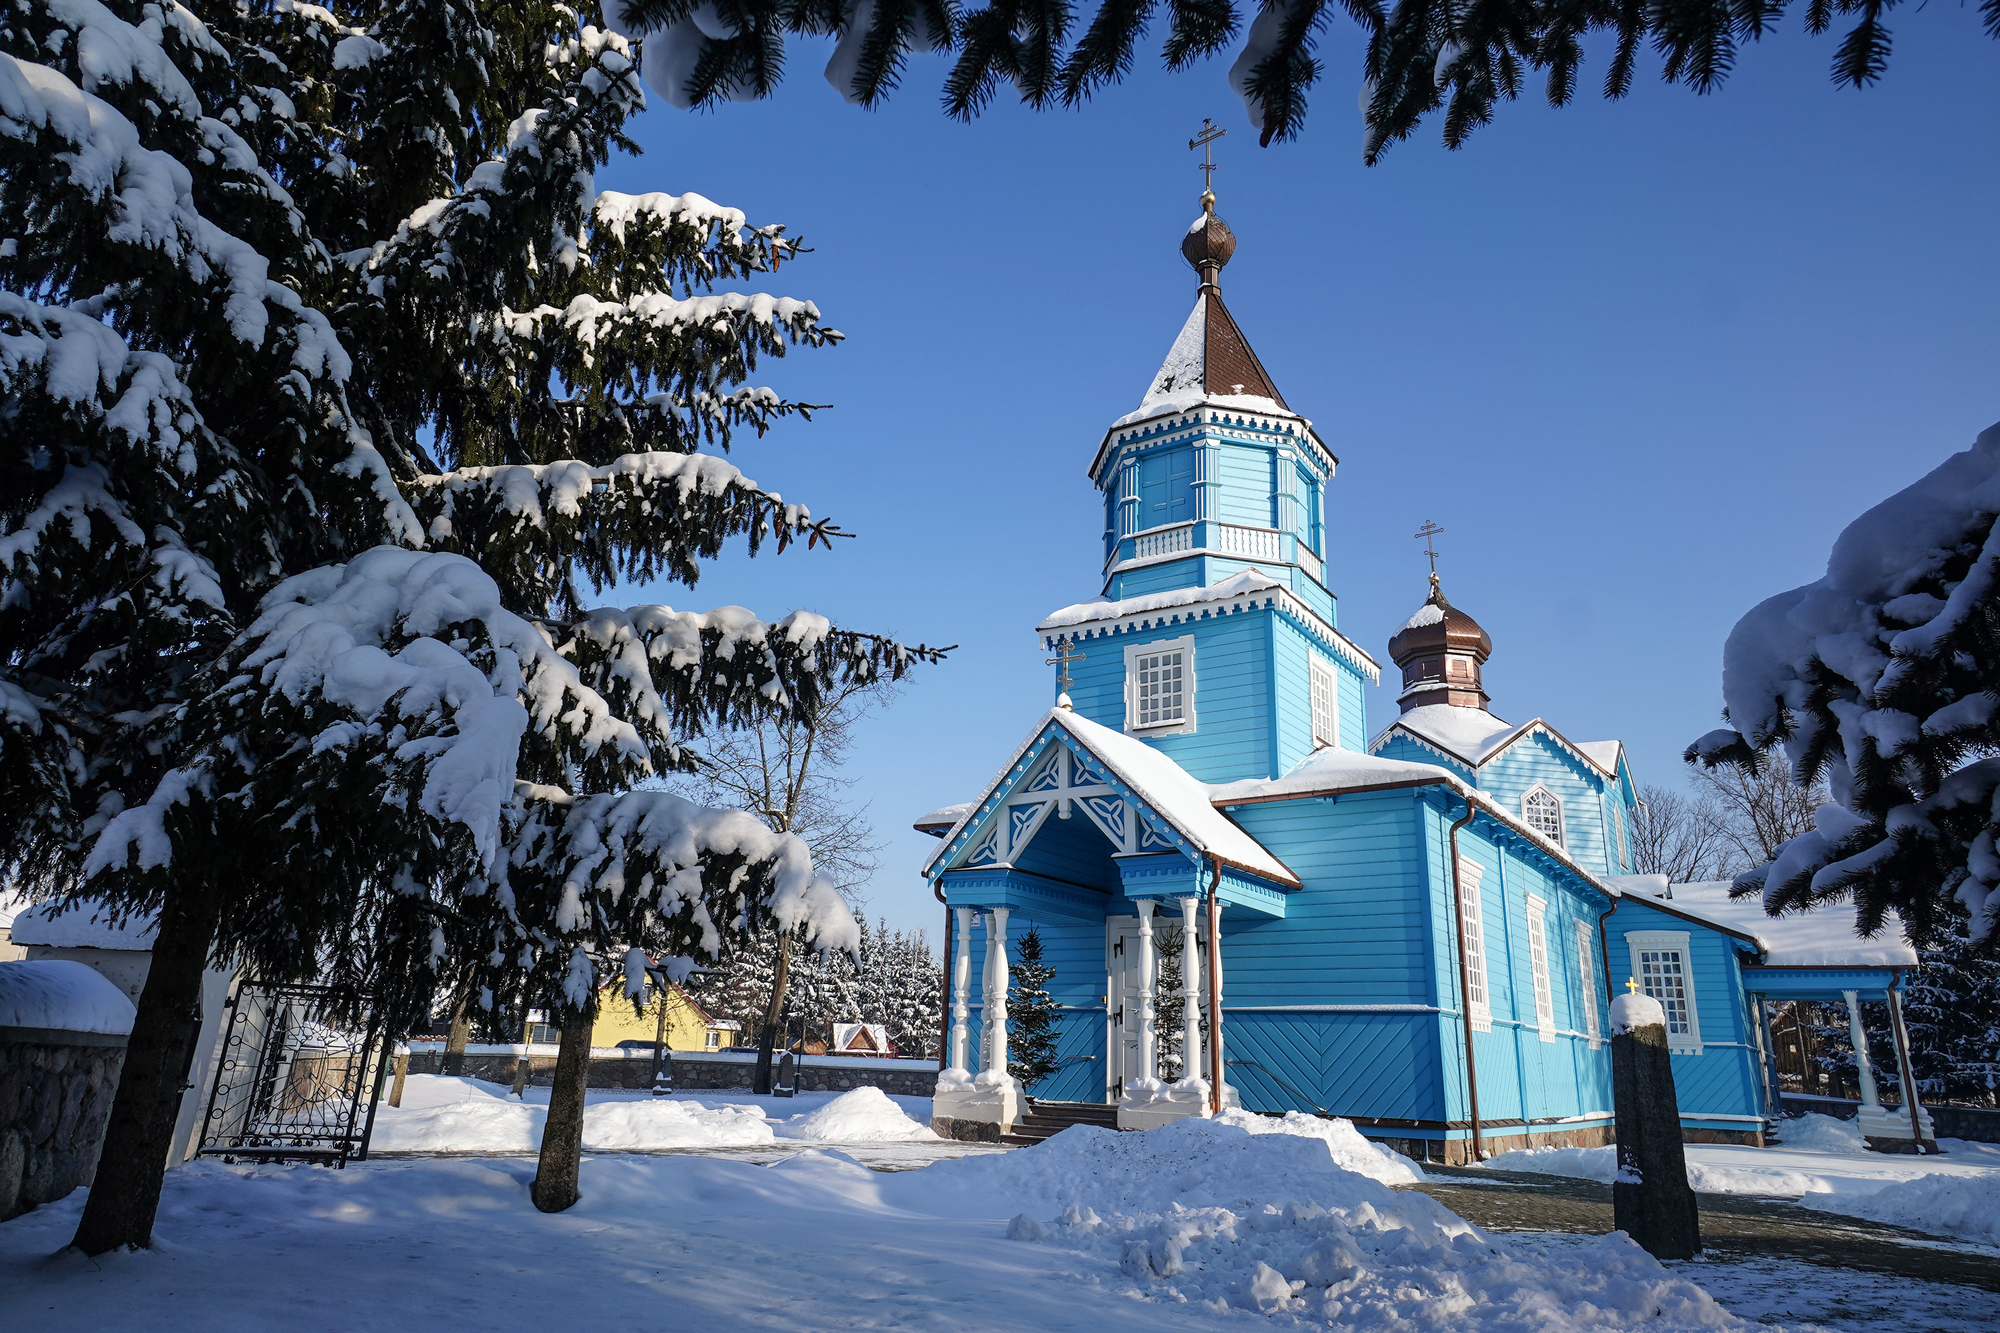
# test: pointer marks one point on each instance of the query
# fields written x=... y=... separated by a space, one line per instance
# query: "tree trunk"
x=555 y=1185
x=760 y=1083
x=453 y=1064
x=139 y=1132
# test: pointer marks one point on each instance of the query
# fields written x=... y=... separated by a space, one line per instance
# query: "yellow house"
x=689 y=1028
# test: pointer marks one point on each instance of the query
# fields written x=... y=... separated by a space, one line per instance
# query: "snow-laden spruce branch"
x=1881 y=678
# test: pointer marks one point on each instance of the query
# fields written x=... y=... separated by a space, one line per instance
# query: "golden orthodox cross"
x=1210 y=132
x=1632 y=985
x=1428 y=531
x=1063 y=659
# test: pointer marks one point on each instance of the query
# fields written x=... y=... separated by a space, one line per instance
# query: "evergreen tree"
x=1951 y=1007
x=1882 y=680
x=1422 y=55
x=1169 y=1004
x=334 y=388
x=1032 y=1015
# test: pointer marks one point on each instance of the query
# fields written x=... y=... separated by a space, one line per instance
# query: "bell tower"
x=1214 y=472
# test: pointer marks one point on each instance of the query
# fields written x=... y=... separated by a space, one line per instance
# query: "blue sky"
x=1642 y=360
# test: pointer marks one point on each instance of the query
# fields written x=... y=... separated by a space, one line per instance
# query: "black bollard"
x=1651 y=1199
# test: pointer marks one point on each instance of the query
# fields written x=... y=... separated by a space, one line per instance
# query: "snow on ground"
x=1199 y=1225
x=1816 y=1296
x=463 y=1115
x=1824 y=1163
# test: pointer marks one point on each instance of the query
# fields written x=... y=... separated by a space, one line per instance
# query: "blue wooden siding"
x=1723 y=1079
x=1537 y=759
x=1247 y=482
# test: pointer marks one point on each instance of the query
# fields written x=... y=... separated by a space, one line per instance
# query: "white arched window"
x=1542 y=811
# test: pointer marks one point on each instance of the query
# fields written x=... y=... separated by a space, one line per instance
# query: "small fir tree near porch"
x=1031 y=1015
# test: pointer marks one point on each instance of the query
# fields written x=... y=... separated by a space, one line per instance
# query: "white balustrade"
x=1163 y=541
x=1257 y=543
x=1311 y=563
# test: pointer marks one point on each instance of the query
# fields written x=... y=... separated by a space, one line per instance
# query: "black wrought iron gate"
x=299 y=1077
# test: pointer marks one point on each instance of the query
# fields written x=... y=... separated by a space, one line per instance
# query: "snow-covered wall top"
x=62 y=995
x=1330 y=770
x=1636 y=1009
x=1822 y=938
x=87 y=925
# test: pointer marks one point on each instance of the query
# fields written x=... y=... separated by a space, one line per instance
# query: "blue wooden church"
x=1407 y=930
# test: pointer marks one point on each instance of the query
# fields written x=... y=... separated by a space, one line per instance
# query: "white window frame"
x=1586 y=971
x=1638 y=942
x=1558 y=837
x=1538 y=965
x=1323 y=689
x=1472 y=944
x=1133 y=652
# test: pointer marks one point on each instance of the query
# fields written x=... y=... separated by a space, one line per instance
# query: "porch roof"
x=1824 y=938
x=1164 y=787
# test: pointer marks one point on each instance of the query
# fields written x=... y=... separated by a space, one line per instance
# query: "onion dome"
x=1441 y=650
x=1209 y=243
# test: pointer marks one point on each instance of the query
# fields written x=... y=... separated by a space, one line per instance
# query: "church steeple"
x=1211 y=359
x=1441 y=650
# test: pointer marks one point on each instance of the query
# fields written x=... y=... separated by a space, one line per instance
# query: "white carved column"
x=1190 y=992
x=996 y=991
x=1207 y=482
x=961 y=988
x=1865 y=1072
x=1149 y=1064
x=1128 y=496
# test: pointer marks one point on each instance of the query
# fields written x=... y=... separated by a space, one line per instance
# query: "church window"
x=1325 y=703
x=1472 y=943
x=1660 y=964
x=1159 y=686
x=1538 y=964
x=1542 y=811
x=1586 y=972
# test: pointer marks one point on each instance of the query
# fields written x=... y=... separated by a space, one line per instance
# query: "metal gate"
x=295 y=1083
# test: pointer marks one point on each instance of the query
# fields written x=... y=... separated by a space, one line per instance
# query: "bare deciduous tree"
x=1682 y=836
x=792 y=774
x=1761 y=812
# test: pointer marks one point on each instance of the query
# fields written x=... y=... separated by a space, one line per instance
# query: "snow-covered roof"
x=1824 y=937
x=944 y=819
x=1474 y=736
x=62 y=995
x=1605 y=754
x=1243 y=583
x=1332 y=769
x=1163 y=785
x=1241 y=591
x=1210 y=363
x=1174 y=795
x=89 y=924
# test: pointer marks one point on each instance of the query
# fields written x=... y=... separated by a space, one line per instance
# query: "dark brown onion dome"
x=1209 y=243
x=1441 y=650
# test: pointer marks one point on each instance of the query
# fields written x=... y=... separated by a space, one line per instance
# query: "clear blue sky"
x=1643 y=360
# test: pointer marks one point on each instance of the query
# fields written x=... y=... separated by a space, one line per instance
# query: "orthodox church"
x=1406 y=930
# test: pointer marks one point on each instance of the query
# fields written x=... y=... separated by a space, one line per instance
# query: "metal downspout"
x=1464 y=979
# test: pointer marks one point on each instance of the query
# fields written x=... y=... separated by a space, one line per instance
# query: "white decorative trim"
x=1322 y=685
x=1472 y=945
x=1151 y=432
x=1586 y=970
x=1558 y=835
x=1530 y=728
x=1638 y=942
x=1280 y=598
x=1185 y=723
x=1538 y=967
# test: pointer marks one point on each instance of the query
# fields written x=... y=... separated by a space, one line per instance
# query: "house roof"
x=88 y=924
x=1824 y=937
x=1164 y=786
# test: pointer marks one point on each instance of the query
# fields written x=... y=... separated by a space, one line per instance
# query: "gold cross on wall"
x=1210 y=132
